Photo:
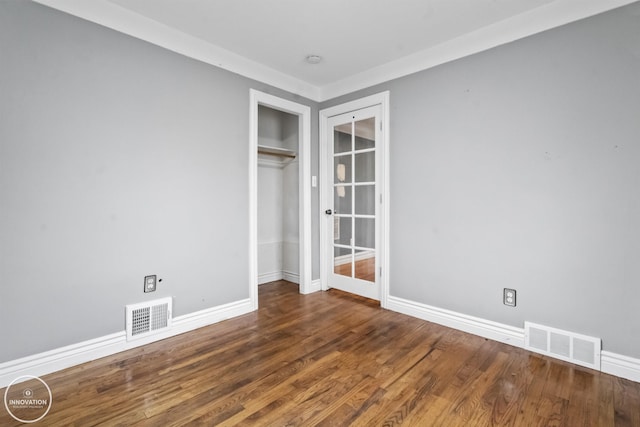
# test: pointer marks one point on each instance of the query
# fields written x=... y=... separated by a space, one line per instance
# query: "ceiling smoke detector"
x=313 y=59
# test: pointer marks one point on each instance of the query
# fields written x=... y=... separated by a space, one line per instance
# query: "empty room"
x=301 y=213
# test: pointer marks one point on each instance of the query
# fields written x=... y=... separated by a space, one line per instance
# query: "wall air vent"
x=569 y=346
x=148 y=318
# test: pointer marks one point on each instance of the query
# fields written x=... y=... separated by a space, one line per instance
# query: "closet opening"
x=280 y=188
x=278 y=196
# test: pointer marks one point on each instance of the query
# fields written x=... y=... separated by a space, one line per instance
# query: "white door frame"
x=304 y=170
x=381 y=99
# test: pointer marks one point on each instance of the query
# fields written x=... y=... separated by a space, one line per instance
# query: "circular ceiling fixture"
x=313 y=59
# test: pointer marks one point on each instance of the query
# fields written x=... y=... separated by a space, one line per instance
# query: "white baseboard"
x=269 y=277
x=75 y=354
x=86 y=351
x=278 y=275
x=620 y=366
x=291 y=277
x=473 y=325
x=63 y=357
x=610 y=363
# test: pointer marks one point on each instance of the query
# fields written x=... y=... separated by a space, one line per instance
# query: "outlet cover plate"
x=509 y=297
x=150 y=283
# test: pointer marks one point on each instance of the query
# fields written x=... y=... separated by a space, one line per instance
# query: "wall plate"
x=509 y=297
x=150 y=283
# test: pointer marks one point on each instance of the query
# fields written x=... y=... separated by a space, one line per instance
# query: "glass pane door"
x=354 y=199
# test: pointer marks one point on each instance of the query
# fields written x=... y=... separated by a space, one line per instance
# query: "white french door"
x=354 y=142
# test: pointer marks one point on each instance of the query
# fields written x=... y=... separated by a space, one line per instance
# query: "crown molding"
x=551 y=15
x=123 y=20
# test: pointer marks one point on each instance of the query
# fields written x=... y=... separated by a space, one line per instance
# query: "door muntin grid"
x=354 y=194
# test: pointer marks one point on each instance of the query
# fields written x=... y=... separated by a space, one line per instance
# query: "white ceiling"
x=352 y=36
x=362 y=42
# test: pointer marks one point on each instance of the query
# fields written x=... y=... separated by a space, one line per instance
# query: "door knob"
x=328 y=212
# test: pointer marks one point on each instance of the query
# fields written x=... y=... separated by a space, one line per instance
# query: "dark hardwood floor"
x=333 y=359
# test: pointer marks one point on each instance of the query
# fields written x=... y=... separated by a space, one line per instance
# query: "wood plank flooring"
x=333 y=359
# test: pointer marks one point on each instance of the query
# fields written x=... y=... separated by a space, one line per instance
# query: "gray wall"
x=118 y=159
x=520 y=167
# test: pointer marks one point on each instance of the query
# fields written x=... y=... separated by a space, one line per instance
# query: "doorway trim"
x=304 y=172
x=381 y=99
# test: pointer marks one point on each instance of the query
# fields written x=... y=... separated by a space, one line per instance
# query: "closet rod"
x=275 y=151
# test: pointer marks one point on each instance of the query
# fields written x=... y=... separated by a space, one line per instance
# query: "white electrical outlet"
x=150 y=283
x=509 y=297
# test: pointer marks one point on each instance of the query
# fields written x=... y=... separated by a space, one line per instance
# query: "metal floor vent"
x=575 y=348
x=148 y=318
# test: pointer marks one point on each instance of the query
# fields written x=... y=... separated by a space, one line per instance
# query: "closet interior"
x=278 y=196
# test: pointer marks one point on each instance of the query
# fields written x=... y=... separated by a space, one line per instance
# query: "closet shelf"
x=276 y=151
